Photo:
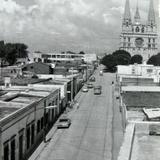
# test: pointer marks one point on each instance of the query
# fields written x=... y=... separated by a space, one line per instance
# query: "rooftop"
x=18 y=102
x=15 y=98
x=145 y=146
x=141 y=99
x=141 y=88
x=152 y=112
x=26 y=81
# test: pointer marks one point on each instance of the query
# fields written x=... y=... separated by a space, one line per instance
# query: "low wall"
x=126 y=148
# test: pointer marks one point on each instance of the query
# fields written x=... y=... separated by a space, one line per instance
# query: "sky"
x=60 y=25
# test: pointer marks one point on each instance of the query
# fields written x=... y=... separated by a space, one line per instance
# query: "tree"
x=155 y=60
x=2 y=52
x=9 y=52
x=21 y=50
x=81 y=52
x=122 y=57
x=109 y=61
x=136 y=59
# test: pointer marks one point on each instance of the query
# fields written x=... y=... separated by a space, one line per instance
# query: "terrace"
x=136 y=101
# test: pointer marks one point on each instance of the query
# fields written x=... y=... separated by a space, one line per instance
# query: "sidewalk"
x=51 y=133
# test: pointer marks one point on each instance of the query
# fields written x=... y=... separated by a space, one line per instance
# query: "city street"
x=95 y=134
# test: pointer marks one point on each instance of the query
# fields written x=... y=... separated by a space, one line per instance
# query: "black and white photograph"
x=79 y=79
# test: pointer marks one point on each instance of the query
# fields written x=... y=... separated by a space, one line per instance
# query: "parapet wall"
x=126 y=148
x=132 y=129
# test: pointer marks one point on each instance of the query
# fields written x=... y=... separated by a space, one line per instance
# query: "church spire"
x=137 y=15
x=151 y=14
x=127 y=14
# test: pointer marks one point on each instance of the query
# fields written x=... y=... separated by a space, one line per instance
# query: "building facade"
x=24 y=120
x=138 y=37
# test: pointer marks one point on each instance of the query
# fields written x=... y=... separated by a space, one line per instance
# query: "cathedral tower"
x=137 y=37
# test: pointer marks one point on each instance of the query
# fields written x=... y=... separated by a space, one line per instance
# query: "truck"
x=101 y=73
x=97 y=90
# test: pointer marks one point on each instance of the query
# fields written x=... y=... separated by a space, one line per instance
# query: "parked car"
x=154 y=130
x=89 y=85
x=84 y=89
x=92 y=79
x=64 y=122
x=98 y=89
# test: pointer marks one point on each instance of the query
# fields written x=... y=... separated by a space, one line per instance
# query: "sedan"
x=92 y=79
x=64 y=122
x=84 y=89
x=89 y=85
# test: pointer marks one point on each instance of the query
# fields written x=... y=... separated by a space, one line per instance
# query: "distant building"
x=63 y=57
x=138 y=74
x=57 y=57
x=90 y=58
x=137 y=37
x=11 y=71
x=37 y=68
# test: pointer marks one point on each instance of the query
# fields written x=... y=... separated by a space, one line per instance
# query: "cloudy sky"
x=56 y=25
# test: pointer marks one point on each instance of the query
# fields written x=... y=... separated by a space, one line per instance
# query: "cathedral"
x=138 y=37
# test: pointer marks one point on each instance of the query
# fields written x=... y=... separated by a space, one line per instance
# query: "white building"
x=56 y=57
x=63 y=57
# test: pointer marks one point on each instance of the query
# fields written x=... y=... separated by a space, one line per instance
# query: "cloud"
x=55 y=24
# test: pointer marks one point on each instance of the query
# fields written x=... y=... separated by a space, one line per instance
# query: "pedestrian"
x=77 y=105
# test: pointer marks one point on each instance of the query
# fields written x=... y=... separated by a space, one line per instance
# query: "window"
x=149 y=40
x=42 y=123
x=129 y=39
x=149 y=70
x=137 y=29
x=28 y=137
x=153 y=40
x=31 y=67
x=149 y=45
x=52 y=114
x=133 y=70
x=21 y=145
x=32 y=133
x=127 y=23
x=142 y=30
x=6 y=151
x=13 y=147
x=38 y=126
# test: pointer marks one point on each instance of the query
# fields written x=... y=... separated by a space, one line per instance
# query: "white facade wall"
x=11 y=125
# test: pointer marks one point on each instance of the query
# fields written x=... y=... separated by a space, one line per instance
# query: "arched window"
x=142 y=30
x=137 y=29
x=127 y=24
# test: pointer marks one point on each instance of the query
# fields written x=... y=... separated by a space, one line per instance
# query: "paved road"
x=92 y=133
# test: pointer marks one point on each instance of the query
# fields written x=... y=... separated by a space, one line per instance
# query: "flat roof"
x=20 y=101
x=6 y=111
x=15 y=98
x=26 y=81
x=135 y=115
x=152 y=112
x=140 y=88
x=141 y=99
x=145 y=146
